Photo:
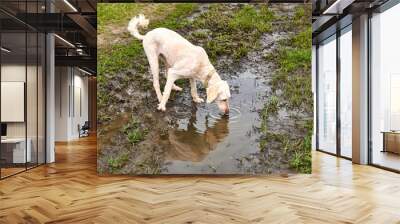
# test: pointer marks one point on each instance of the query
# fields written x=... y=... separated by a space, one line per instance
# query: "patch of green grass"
x=249 y=19
x=290 y=59
x=177 y=18
x=103 y=100
x=272 y=106
x=120 y=57
x=120 y=14
x=303 y=40
x=233 y=34
x=301 y=157
x=110 y=13
x=102 y=117
x=302 y=16
x=135 y=136
x=200 y=34
x=298 y=150
x=298 y=94
x=117 y=163
x=263 y=144
x=134 y=131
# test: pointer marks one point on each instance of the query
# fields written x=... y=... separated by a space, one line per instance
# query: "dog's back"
x=172 y=45
x=164 y=36
x=167 y=42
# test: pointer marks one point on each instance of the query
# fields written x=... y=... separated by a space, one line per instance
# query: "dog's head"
x=220 y=93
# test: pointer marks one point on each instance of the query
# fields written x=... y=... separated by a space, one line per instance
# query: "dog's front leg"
x=167 y=91
x=193 y=91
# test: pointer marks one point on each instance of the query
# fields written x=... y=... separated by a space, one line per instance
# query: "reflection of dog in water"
x=190 y=145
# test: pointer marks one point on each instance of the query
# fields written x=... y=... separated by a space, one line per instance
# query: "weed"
x=301 y=158
x=272 y=106
x=117 y=163
x=135 y=136
x=200 y=34
x=134 y=131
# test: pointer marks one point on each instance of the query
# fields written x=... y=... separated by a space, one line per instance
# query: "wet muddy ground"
x=192 y=138
x=205 y=141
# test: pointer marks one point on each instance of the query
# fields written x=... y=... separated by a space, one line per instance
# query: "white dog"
x=184 y=60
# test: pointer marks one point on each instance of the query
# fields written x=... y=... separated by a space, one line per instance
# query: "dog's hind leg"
x=152 y=57
x=167 y=66
x=167 y=90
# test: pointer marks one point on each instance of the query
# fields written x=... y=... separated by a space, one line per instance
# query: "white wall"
x=80 y=84
x=12 y=73
x=70 y=83
x=62 y=81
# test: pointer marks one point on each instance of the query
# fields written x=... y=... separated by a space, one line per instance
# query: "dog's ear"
x=212 y=93
x=227 y=90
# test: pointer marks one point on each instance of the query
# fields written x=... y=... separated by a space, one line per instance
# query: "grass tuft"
x=115 y=164
x=134 y=131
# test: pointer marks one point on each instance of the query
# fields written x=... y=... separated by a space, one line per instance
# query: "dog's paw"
x=198 y=100
x=161 y=107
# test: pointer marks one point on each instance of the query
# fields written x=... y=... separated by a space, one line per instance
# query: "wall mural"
x=204 y=88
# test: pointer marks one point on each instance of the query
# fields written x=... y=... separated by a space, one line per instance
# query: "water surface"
x=204 y=141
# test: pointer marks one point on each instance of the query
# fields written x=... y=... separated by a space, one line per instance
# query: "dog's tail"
x=135 y=23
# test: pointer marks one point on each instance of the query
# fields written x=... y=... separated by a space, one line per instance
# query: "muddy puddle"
x=204 y=141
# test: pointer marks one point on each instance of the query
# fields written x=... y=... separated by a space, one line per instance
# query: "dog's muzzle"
x=223 y=106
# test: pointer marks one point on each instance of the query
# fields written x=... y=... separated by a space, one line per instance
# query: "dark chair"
x=84 y=130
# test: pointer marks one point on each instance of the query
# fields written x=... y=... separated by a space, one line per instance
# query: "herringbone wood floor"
x=70 y=191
